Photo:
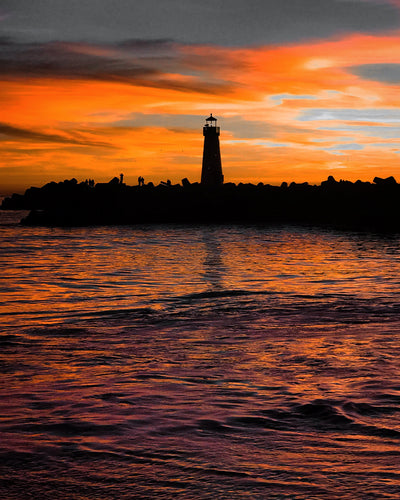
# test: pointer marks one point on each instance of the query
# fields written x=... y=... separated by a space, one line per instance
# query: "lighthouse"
x=211 y=172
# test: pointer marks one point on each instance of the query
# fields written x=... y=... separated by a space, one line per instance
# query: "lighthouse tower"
x=211 y=172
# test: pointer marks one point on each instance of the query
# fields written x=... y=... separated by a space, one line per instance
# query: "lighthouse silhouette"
x=211 y=172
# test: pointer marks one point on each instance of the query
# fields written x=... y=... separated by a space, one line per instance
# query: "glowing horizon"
x=297 y=111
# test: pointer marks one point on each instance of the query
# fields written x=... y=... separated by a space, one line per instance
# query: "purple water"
x=199 y=362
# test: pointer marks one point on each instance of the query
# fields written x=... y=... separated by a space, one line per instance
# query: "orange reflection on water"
x=71 y=272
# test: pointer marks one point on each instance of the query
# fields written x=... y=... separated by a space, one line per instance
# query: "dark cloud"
x=127 y=63
x=160 y=46
x=33 y=135
x=224 y=22
x=61 y=60
x=178 y=122
x=387 y=73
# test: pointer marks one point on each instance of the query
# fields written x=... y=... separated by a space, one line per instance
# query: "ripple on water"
x=199 y=362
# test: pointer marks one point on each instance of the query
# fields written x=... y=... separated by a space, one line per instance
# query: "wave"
x=243 y=306
x=323 y=416
x=221 y=294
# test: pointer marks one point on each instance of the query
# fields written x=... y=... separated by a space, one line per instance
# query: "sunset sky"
x=302 y=89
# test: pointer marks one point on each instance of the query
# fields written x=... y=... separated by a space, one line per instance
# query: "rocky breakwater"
x=364 y=205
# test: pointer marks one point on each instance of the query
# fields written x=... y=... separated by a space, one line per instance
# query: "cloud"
x=236 y=125
x=33 y=135
x=155 y=64
x=252 y=142
x=389 y=145
x=383 y=132
x=222 y=22
x=63 y=60
x=344 y=147
x=279 y=98
x=245 y=128
x=384 y=72
x=190 y=122
x=379 y=115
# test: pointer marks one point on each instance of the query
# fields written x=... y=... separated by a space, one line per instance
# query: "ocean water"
x=199 y=362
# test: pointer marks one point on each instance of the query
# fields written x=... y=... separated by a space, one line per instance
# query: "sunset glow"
x=288 y=112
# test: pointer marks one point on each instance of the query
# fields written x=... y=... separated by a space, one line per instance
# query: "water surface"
x=199 y=362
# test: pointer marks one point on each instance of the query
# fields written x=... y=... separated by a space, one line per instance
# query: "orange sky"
x=298 y=112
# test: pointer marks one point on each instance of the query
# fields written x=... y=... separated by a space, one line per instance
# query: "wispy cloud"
x=36 y=136
x=379 y=115
x=155 y=64
x=258 y=142
x=383 y=132
x=278 y=99
x=345 y=147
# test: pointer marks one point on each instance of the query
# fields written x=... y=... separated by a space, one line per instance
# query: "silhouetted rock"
x=185 y=182
x=389 y=181
x=114 y=182
x=340 y=204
